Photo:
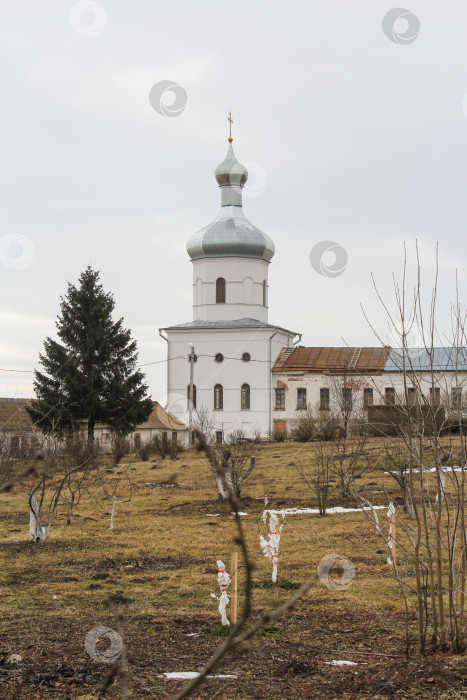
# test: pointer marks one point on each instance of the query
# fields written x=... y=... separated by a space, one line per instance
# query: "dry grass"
x=162 y=521
x=69 y=575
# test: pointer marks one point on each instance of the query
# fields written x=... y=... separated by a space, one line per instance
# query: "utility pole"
x=190 y=403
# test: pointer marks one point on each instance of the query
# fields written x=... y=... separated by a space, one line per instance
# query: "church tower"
x=233 y=342
x=230 y=256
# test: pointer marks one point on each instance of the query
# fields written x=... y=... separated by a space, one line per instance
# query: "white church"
x=249 y=374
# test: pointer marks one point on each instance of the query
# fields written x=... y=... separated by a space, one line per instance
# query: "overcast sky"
x=349 y=136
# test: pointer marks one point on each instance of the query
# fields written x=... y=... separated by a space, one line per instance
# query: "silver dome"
x=230 y=234
x=230 y=171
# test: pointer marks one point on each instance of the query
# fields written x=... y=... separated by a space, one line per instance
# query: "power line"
x=2 y=369
x=156 y=362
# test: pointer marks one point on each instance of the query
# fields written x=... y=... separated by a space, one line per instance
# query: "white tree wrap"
x=390 y=513
x=223 y=579
x=270 y=545
x=38 y=532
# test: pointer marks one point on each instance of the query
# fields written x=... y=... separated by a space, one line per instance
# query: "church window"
x=264 y=292
x=456 y=397
x=220 y=290
x=246 y=357
x=435 y=396
x=218 y=397
x=280 y=399
x=188 y=396
x=245 y=397
x=324 y=399
x=219 y=357
x=301 y=399
x=347 y=398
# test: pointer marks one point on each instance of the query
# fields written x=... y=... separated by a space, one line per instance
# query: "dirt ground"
x=158 y=567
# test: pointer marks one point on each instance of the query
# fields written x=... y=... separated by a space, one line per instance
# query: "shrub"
x=304 y=428
x=120 y=447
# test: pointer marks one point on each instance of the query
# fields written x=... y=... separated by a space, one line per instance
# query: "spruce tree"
x=90 y=376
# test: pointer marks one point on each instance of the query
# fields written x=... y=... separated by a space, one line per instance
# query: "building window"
x=435 y=396
x=347 y=398
x=368 y=397
x=220 y=290
x=390 y=395
x=218 y=397
x=245 y=393
x=301 y=399
x=188 y=396
x=280 y=398
x=219 y=357
x=137 y=441
x=456 y=397
x=411 y=396
x=324 y=399
x=246 y=357
x=174 y=437
x=264 y=292
x=219 y=440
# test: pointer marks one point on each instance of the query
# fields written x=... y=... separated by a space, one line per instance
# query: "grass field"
x=159 y=566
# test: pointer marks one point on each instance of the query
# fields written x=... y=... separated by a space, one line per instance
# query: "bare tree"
x=84 y=471
x=317 y=474
x=236 y=461
x=231 y=461
x=425 y=403
x=120 y=487
x=45 y=492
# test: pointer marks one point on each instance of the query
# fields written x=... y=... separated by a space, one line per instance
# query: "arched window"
x=218 y=397
x=264 y=292
x=245 y=397
x=220 y=290
x=188 y=395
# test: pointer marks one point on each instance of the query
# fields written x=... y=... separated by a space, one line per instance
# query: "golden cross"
x=229 y=119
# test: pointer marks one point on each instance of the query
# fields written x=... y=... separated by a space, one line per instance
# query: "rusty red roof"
x=338 y=360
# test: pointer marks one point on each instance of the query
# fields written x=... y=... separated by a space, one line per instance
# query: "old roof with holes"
x=338 y=360
x=13 y=415
x=370 y=360
x=160 y=419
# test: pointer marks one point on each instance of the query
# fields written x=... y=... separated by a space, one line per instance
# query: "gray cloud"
x=362 y=140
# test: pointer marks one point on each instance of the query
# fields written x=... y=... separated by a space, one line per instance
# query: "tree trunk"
x=91 y=424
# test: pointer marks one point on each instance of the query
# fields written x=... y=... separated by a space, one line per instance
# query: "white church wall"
x=231 y=374
x=244 y=289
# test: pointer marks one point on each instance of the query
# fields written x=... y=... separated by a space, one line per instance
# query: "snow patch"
x=315 y=511
x=188 y=675
x=341 y=663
